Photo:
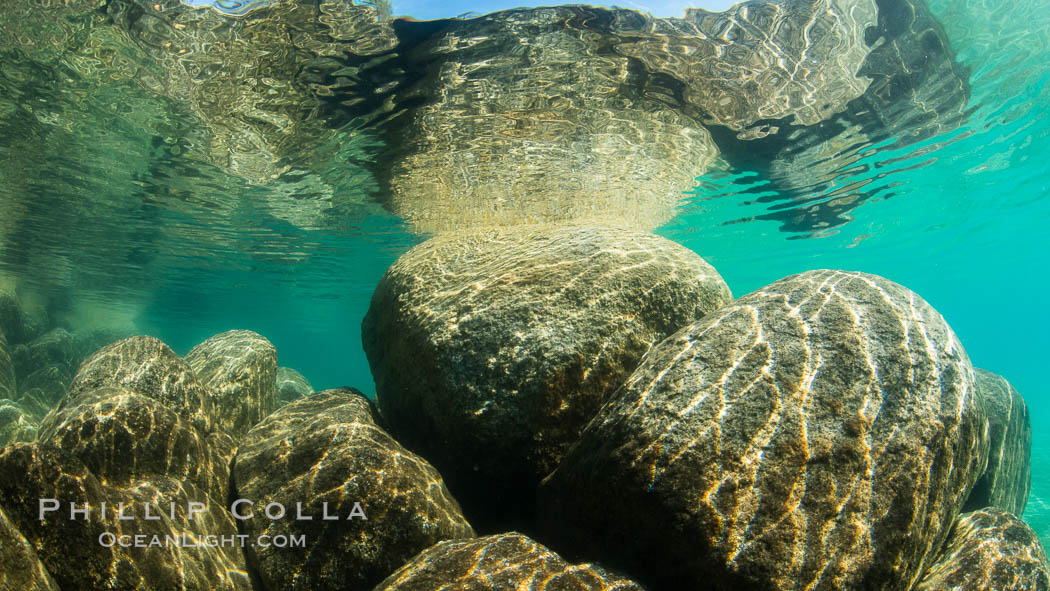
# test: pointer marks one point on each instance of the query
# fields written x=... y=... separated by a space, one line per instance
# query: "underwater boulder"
x=123 y=436
x=1008 y=477
x=20 y=568
x=54 y=348
x=989 y=549
x=820 y=432
x=367 y=504
x=491 y=350
x=8 y=383
x=240 y=368
x=146 y=366
x=291 y=385
x=16 y=423
x=498 y=562
x=80 y=552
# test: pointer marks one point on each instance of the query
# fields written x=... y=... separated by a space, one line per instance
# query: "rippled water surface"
x=189 y=171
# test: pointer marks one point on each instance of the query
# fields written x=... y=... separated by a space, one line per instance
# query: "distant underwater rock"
x=820 y=432
x=1008 y=477
x=497 y=563
x=146 y=366
x=240 y=368
x=327 y=450
x=20 y=568
x=491 y=350
x=47 y=364
x=123 y=436
x=71 y=549
x=989 y=550
x=18 y=324
x=16 y=424
x=8 y=384
x=291 y=385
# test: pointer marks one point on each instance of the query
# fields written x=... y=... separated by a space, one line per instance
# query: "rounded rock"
x=498 y=562
x=291 y=385
x=325 y=455
x=1008 y=477
x=820 y=432
x=491 y=350
x=989 y=549
x=240 y=368
x=146 y=366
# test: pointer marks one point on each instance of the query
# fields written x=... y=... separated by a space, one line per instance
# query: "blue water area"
x=959 y=217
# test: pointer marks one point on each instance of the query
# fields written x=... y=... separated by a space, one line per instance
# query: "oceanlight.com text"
x=109 y=539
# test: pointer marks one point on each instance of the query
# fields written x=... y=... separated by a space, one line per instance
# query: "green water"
x=104 y=210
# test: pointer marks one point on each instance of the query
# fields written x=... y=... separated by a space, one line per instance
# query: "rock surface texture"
x=326 y=450
x=497 y=563
x=240 y=368
x=8 y=386
x=148 y=367
x=491 y=350
x=989 y=550
x=818 y=433
x=1008 y=477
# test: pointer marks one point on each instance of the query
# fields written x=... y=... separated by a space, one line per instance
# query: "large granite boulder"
x=989 y=549
x=83 y=553
x=291 y=385
x=123 y=437
x=1008 y=477
x=491 y=350
x=498 y=562
x=821 y=432
x=240 y=368
x=20 y=568
x=324 y=454
x=148 y=367
x=16 y=423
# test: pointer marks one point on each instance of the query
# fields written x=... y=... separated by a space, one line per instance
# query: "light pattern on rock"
x=818 y=433
x=327 y=449
x=1008 y=477
x=989 y=550
x=122 y=437
x=240 y=368
x=491 y=350
x=148 y=367
x=70 y=549
x=20 y=568
x=496 y=563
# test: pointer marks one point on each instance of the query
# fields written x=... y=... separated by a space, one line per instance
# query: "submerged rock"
x=16 y=323
x=8 y=384
x=240 y=368
x=324 y=454
x=20 y=568
x=123 y=436
x=989 y=549
x=498 y=562
x=1008 y=477
x=71 y=549
x=820 y=432
x=148 y=367
x=291 y=385
x=491 y=350
x=16 y=423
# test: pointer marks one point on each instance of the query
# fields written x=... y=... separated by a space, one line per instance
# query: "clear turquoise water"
x=961 y=219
